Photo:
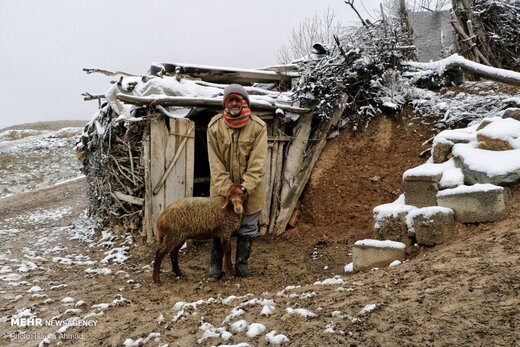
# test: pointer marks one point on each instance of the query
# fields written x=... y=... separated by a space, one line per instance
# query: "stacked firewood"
x=111 y=152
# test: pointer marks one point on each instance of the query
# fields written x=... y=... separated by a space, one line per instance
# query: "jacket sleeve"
x=255 y=170
x=219 y=175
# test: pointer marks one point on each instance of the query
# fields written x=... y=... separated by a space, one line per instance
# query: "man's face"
x=234 y=105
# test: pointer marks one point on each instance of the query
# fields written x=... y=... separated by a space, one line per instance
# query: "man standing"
x=237 y=150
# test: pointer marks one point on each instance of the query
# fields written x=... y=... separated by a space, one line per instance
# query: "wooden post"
x=147 y=218
x=301 y=179
x=268 y=180
x=276 y=162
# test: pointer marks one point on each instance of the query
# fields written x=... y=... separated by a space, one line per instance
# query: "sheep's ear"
x=226 y=202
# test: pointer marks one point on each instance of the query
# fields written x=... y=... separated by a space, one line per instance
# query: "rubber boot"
x=215 y=269
x=244 y=244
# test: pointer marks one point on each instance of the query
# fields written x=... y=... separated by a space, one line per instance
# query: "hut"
x=146 y=146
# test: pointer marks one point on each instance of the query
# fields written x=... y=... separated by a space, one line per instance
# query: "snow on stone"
x=395 y=263
x=380 y=244
x=329 y=329
x=34 y=289
x=493 y=163
x=101 y=271
x=235 y=312
x=507 y=130
x=255 y=329
x=266 y=310
x=5 y=269
x=385 y=211
x=302 y=296
x=63 y=261
x=141 y=341
x=368 y=308
x=12 y=277
x=479 y=187
x=209 y=331
x=427 y=213
x=239 y=326
x=339 y=314
x=67 y=300
x=276 y=339
x=286 y=289
x=80 y=303
x=301 y=312
x=336 y=280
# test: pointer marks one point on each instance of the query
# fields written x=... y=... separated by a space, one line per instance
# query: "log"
x=147 y=219
x=202 y=102
x=128 y=198
x=228 y=75
x=457 y=61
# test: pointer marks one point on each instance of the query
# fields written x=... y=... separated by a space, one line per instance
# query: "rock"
x=502 y=167
x=369 y=254
x=473 y=204
x=500 y=135
x=492 y=144
x=432 y=225
x=512 y=113
x=390 y=222
x=441 y=151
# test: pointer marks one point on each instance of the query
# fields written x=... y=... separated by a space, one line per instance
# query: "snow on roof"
x=166 y=86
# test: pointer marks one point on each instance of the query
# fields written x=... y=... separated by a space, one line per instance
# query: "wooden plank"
x=295 y=154
x=202 y=102
x=264 y=219
x=190 y=160
x=176 y=146
x=277 y=176
x=301 y=179
x=147 y=218
x=158 y=136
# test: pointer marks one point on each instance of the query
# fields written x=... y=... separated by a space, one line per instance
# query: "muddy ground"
x=464 y=293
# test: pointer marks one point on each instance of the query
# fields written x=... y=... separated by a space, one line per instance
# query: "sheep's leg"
x=174 y=255
x=226 y=247
x=159 y=255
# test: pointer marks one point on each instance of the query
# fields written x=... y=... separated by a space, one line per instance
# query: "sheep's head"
x=236 y=196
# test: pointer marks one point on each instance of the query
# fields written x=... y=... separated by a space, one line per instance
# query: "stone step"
x=368 y=254
x=431 y=225
x=474 y=204
x=390 y=222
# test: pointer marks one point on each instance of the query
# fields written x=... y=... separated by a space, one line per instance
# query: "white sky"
x=45 y=44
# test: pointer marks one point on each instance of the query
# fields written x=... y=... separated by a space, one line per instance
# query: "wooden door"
x=171 y=165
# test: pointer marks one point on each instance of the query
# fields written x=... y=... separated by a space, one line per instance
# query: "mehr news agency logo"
x=39 y=322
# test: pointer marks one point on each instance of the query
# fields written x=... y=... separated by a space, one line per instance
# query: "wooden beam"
x=288 y=206
x=228 y=75
x=201 y=102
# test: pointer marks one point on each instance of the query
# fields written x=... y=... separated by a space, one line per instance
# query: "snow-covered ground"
x=31 y=159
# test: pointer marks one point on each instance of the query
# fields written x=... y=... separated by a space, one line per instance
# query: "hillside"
x=55 y=264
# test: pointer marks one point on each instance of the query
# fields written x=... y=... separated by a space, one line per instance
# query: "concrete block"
x=368 y=254
x=474 y=204
x=390 y=222
x=431 y=225
x=421 y=190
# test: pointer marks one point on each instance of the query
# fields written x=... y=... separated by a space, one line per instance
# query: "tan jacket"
x=238 y=156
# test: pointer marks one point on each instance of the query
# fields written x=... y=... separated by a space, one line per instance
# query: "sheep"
x=195 y=218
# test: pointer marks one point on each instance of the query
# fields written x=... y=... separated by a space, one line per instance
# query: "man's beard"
x=235 y=112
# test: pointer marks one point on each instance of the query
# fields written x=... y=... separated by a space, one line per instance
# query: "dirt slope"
x=465 y=293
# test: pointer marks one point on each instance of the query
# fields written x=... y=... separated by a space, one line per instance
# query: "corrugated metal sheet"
x=435 y=37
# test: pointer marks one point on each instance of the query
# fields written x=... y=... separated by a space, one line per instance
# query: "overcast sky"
x=45 y=44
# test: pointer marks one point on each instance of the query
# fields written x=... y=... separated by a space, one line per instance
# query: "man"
x=237 y=150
